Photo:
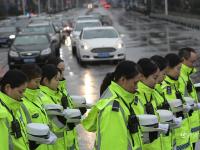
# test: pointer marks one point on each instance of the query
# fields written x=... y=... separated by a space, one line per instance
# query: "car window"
x=80 y=26
x=29 y=40
x=101 y=33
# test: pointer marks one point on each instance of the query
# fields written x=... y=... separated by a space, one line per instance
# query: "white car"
x=100 y=44
x=79 y=25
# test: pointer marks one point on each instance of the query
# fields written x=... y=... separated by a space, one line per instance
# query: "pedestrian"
x=13 y=121
x=32 y=104
x=112 y=118
x=146 y=103
x=188 y=57
x=66 y=101
x=171 y=92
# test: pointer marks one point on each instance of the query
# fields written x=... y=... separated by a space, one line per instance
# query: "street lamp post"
x=62 y=4
x=49 y=5
x=166 y=7
x=77 y=3
x=56 y=5
x=23 y=7
x=38 y=7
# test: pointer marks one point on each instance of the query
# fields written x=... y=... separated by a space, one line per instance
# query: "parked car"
x=30 y=48
x=100 y=44
x=78 y=28
x=7 y=35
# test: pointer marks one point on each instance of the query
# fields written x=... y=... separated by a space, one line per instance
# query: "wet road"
x=144 y=37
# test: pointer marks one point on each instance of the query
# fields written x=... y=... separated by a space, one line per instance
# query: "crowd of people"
x=149 y=105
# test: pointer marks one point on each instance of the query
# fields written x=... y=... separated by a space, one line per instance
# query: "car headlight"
x=120 y=45
x=46 y=51
x=85 y=46
x=13 y=54
x=12 y=36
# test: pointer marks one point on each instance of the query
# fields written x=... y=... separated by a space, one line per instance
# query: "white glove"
x=51 y=140
x=186 y=108
x=176 y=122
x=164 y=127
x=198 y=105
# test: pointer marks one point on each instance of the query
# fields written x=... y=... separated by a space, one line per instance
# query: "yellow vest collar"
x=11 y=103
x=125 y=95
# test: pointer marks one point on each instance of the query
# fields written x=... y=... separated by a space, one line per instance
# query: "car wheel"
x=74 y=50
x=82 y=63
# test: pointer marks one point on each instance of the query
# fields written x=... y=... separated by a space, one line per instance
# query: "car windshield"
x=7 y=29
x=31 y=40
x=100 y=33
x=80 y=26
x=38 y=29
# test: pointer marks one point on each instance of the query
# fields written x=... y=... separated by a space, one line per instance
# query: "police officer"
x=171 y=92
x=160 y=100
x=112 y=117
x=66 y=101
x=146 y=101
x=32 y=104
x=50 y=95
x=13 y=121
x=186 y=87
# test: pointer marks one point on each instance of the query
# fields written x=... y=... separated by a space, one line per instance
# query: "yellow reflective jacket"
x=161 y=103
x=181 y=134
x=50 y=96
x=109 y=118
x=35 y=112
x=72 y=137
x=146 y=98
x=4 y=129
x=22 y=142
x=184 y=82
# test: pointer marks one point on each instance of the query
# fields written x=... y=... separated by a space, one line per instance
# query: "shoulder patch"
x=115 y=106
x=169 y=90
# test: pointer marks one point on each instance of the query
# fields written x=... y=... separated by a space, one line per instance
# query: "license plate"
x=31 y=60
x=103 y=55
